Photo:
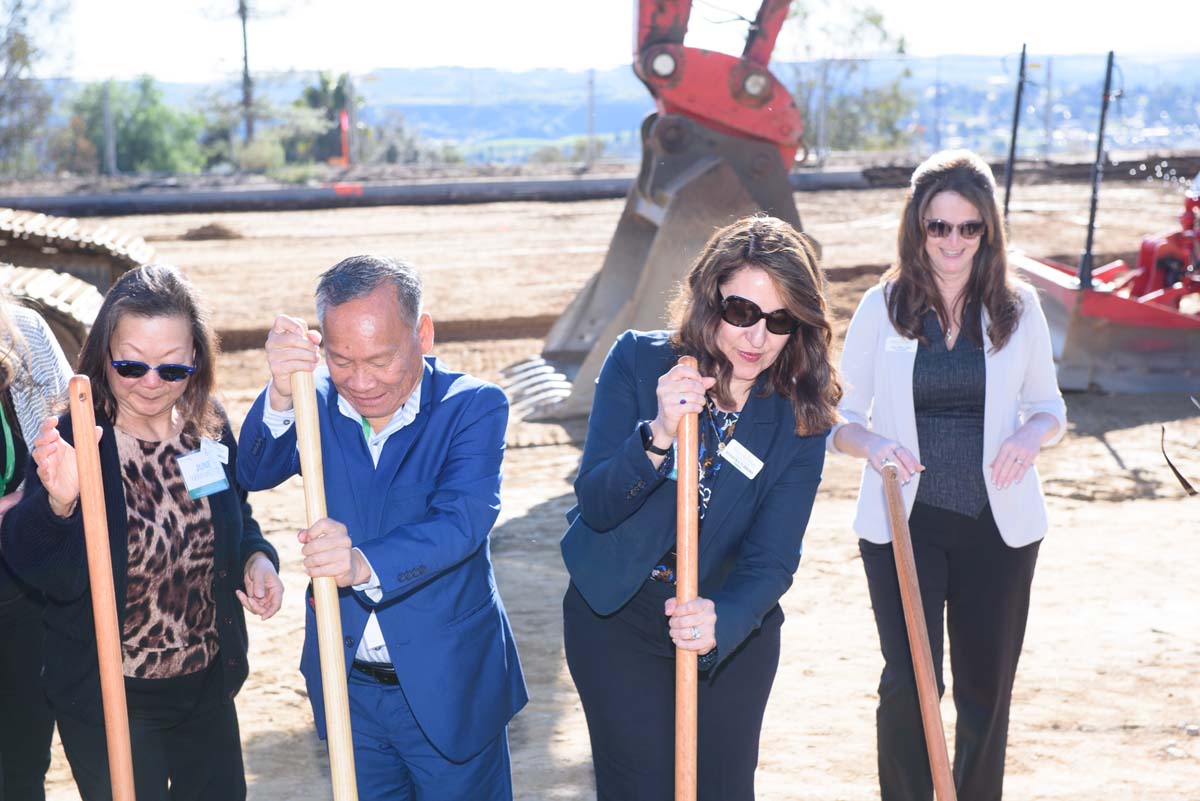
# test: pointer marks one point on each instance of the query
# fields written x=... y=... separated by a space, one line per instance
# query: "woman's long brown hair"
x=914 y=290
x=803 y=372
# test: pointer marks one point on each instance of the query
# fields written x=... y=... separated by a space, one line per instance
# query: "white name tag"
x=213 y=448
x=202 y=474
x=900 y=345
x=737 y=455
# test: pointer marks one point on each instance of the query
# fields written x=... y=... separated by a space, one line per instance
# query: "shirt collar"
x=402 y=416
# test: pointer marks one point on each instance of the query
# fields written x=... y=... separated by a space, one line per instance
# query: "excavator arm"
x=718 y=147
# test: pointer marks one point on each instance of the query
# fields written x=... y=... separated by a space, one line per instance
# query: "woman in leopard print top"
x=187 y=553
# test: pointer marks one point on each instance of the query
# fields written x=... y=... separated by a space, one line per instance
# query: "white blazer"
x=877 y=371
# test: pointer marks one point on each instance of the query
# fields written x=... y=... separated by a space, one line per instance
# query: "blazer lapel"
x=755 y=430
x=900 y=357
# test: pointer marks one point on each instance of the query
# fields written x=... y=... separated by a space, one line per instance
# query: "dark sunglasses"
x=167 y=372
x=940 y=229
x=745 y=313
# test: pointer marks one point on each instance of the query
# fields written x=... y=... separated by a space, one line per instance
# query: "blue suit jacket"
x=624 y=520
x=422 y=519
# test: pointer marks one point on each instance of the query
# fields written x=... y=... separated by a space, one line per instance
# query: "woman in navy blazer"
x=753 y=314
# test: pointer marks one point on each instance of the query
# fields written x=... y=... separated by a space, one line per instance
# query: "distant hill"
x=964 y=99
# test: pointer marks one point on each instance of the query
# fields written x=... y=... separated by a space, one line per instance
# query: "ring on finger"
x=886 y=461
x=695 y=632
x=1020 y=460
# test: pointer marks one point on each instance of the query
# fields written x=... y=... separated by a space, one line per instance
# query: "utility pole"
x=590 y=152
x=247 y=83
x=937 y=103
x=352 y=114
x=110 y=133
x=1048 y=114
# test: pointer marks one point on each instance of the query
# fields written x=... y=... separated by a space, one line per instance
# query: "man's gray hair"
x=359 y=276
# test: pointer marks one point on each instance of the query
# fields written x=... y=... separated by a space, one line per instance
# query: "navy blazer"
x=624 y=520
x=422 y=519
x=49 y=553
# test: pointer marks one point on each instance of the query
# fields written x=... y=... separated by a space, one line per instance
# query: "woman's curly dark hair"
x=803 y=372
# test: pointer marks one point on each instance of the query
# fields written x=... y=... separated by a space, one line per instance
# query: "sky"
x=200 y=40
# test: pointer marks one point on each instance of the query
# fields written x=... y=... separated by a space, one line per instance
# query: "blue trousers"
x=394 y=761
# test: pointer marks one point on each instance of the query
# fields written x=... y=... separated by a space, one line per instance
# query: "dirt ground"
x=1107 y=703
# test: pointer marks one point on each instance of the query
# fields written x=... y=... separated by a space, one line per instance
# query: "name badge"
x=213 y=448
x=202 y=474
x=737 y=455
x=900 y=345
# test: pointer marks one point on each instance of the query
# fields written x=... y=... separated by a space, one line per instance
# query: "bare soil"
x=1107 y=702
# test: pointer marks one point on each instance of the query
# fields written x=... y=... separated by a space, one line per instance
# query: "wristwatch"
x=648 y=440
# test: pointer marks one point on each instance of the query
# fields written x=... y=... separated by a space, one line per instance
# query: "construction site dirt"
x=1107 y=701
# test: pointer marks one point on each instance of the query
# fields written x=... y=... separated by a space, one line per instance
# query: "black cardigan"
x=49 y=552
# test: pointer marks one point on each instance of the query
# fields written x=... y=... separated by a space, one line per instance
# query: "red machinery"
x=1117 y=328
x=1136 y=329
x=719 y=147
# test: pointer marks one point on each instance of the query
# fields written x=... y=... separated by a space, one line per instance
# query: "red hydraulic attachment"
x=1137 y=329
x=738 y=96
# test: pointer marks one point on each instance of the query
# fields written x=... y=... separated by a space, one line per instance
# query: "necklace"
x=712 y=421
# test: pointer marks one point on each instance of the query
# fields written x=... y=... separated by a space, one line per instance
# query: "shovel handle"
x=100 y=579
x=687 y=516
x=325 y=597
x=918 y=638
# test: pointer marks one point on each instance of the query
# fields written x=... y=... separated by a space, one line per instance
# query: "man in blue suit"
x=411 y=454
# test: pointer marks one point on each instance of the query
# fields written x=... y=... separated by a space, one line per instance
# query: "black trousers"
x=624 y=669
x=966 y=569
x=185 y=741
x=26 y=722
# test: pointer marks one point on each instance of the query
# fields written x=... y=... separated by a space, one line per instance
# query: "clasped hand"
x=696 y=617
x=681 y=390
x=328 y=552
x=291 y=347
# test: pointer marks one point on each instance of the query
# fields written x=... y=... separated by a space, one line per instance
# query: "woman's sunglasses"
x=167 y=372
x=745 y=313
x=940 y=229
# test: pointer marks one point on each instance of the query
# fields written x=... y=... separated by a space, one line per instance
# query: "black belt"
x=384 y=674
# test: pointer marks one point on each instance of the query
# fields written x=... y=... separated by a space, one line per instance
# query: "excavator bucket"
x=693 y=180
x=1105 y=340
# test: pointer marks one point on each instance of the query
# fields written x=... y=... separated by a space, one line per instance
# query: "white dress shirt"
x=372 y=647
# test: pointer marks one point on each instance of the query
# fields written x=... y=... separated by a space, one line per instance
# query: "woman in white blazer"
x=949 y=375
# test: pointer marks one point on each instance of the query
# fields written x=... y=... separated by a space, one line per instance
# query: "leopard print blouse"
x=170 y=616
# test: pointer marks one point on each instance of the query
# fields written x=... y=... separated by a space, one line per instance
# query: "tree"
x=151 y=136
x=72 y=151
x=327 y=98
x=24 y=103
x=838 y=39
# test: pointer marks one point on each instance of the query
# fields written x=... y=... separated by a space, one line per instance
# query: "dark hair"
x=914 y=289
x=803 y=372
x=359 y=276
x=156 y=290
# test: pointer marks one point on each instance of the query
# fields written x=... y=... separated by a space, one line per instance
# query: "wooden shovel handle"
x=687 y=505
x=918 y=638
x=100 y=579
x=325 y=597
